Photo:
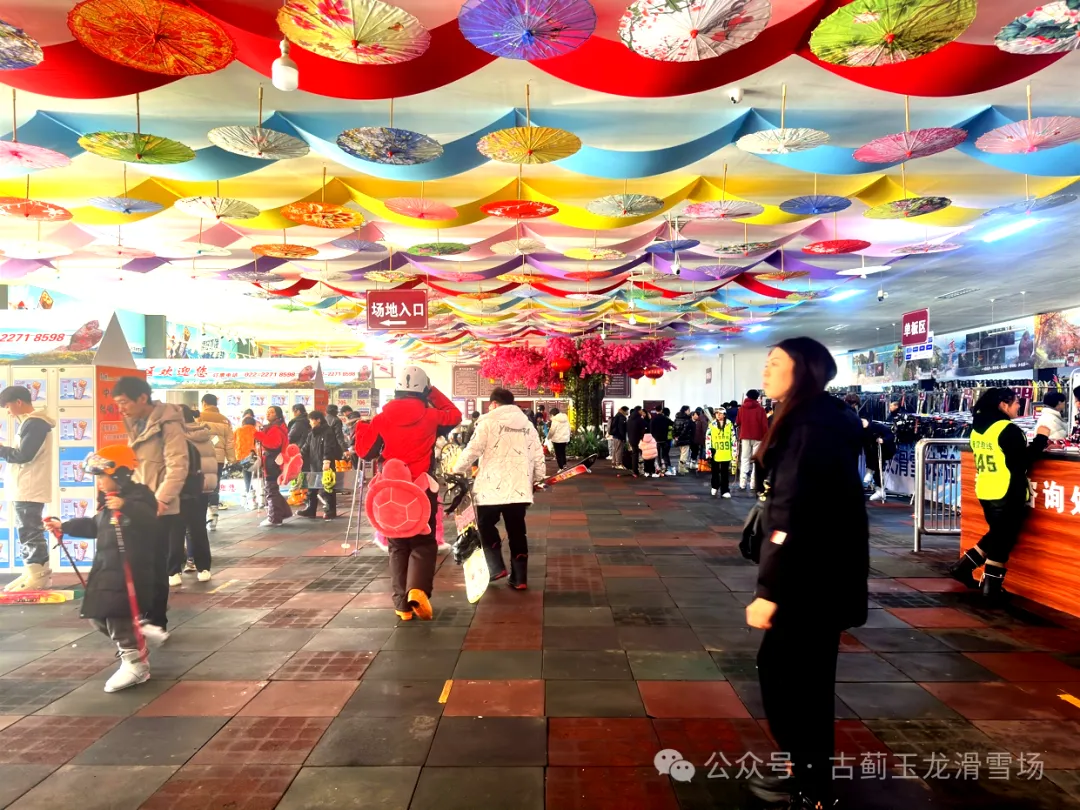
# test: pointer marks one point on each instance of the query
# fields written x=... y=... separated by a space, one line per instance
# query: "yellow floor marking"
x=223 y=586
x=446 y=691
x=1070 y=699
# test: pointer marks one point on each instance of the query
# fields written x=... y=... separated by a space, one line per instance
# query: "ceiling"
x=1023 y=274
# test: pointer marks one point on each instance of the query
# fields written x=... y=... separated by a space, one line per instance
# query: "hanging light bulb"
x=676 y=264
x=284 y=73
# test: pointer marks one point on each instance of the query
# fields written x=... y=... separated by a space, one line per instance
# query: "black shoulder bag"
x=753 y=532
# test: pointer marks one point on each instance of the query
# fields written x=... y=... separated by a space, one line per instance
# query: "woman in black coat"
x=321 y=452
x=815 y=560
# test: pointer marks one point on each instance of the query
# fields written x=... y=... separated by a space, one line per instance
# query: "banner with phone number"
x=57 y=334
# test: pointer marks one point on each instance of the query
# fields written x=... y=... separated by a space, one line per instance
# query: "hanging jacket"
x=29 y=475
x=510 y=454
x=161 y=450
x=559 y=429
x=815 y=557
x=106 y=590
x=406 y=429
x=684 y=429
x=648 y=447
x=636 y=427
x=221 y=433
x=752 y=421
x=617 y=428
x=721 y=440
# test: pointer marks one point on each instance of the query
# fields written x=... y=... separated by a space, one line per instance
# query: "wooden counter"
x=1045 y=565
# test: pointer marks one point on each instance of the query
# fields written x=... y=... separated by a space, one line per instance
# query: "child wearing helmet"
x=107 y=603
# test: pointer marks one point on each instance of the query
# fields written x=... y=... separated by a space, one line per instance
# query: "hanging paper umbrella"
x=720 y=272
x=736 y=249
x=672 y=246
x=884 y=32
x=1030 y=135
x=389 y=145
x=251 y=275
x=36 y=210
x=925 y=247
x=390 y=276
x=916 y=143
x=587 y=275
x=1050 y=28
x=518 y=247
x=438 y=249
x=625 y=205
x=358 y=245
x=815 y=204
x=832 y=247
x=257 y=142
x=527 y=29
x=908 y=208
x=1034 y=204
x=529 y=145
x=158 y=36
x=187 y=250
x=786 y=275
x=217 y=207
x=18 y=50
x=782 y=141
x=284 y=251
x=290 y=307
x=363 y=32
x=33 y=250
x=134 y=147
x=808 y=295
x=598 y=254
x=691 y=30
x=519 y=209
x=125 y=205
x=520 y=278
x=420 y=208
x=723 y=209
x=28 y=156
x=323 y=215
x=119 y=251
x=588 y=297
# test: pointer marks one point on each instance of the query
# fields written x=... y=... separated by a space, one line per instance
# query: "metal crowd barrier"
x=937 y=489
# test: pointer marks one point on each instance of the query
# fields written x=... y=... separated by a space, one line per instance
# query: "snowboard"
x=582 y=466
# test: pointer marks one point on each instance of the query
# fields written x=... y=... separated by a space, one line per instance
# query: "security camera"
x=734 y=94
x=881 y=295
x=677 y=271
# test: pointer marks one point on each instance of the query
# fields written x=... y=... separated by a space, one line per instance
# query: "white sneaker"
x=268 y=524
x=132 y=672
x=713 y=492
x=726 y=495
x=174 y=581
x=671 y=472
x=204 y=576
x=155 y=636
x=879 y=496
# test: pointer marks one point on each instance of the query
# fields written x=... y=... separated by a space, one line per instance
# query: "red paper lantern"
x=557 y=388
x=654 y=373
x=636 y=374
x=561 y=365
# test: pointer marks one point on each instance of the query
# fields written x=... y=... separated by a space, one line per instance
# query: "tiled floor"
x=290 y=683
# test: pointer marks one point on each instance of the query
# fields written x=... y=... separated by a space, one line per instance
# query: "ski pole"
x=133 y=600
x=59 y=535
x=881 y=470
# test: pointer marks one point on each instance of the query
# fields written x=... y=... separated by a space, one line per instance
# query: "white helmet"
x=413 y=379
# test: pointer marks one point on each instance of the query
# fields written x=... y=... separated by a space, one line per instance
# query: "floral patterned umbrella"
x=735 y=250
x=625 y=205
x=28 y=156
x=136 y=147
x=358 y=245
x=815 y=204
x=518 y=247
x=1049 y=28
x=527 y=29
x=35 y=210
x=1030 y=135
x=284 y=251
x=672 y=246
x=529 y=145
x=785 y=275
x=782 y=141
x=18 y=50
x=389 y=145
x=257 y=142
x=323 y=215
x=691 y=30
x=598 y=254
x=723 y=209
x=884 y=32
x=125 y=205
x=925 y=247
x=420 y=208
x=832 y=247
x=915 y=143
x=438 y=249
x=390 y=276
x=908 y=208
x=1034 y=204
x=589 y=275
x=519 y=209
x=363 y=32
x=158 y=36
x=217 y=207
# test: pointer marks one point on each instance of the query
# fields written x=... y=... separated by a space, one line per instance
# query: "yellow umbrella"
x=528 y=144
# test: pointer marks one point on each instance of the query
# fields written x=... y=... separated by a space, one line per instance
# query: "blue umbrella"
x=389 y=146
x=527 y=29
x=672 y=246
x=125 y=205
x=813 y=204
x=358 y=245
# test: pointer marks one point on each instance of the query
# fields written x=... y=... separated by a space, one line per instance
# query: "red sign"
x=110 y=422
x=397 y=310
x=916 y=327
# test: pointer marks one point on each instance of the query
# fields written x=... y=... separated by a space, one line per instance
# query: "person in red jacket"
x=272 y=439
x=407 y=429
x=752 y=424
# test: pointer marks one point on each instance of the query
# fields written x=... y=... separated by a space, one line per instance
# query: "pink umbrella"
x=1030 y=135
x=915 y=143
x=28 y=156
x=833 y=247
x=420 y=208
x=723 y=209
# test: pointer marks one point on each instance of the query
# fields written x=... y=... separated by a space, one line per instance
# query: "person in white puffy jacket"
x=511 y=464
x=559 y=435
x=1052 y=421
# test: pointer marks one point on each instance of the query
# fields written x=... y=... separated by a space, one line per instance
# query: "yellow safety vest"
x=992 y=477
x=721 y=441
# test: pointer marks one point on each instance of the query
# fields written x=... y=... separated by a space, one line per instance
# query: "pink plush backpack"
x=397 y=505
x=291 y=461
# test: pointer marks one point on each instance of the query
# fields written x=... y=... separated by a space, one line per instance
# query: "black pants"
x=560 y=453
x=664 y=449
x=317 y=496
x=721 y=475
x=159 y=603
x=215 y=496
x=695 y=451
x=513 y=516
x=635 y=458
x=1005 y=519
x=797 y=671
x=35 y=548
x=412 y=562
x=192 y=527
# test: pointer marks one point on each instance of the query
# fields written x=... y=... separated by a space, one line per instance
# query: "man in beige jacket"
x=221 y=434
x=156 y=434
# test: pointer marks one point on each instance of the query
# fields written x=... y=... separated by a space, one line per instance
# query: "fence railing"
x=937 y=488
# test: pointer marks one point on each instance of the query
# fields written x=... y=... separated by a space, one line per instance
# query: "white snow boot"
x=35 y=578
x=879 y=496
x=132 y=672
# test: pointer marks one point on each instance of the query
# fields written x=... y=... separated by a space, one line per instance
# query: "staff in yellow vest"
x=721 y=442
x=1002 y=460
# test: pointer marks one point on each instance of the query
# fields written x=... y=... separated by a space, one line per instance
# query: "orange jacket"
x=244 y=438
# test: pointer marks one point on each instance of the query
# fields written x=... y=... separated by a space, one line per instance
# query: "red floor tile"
x=524 y=698
x=325 y=666
x=850 y=644
x=995 y=701
x=232 y=786
x=264 y=740
x=697 y=740
x=1053 y=639
x=1052 y=692
x=203 y=699
x=618 y=571
x=1026 y=666
x=320 y=600
x=64 y=665
x=609 y=789
x=933 y=584
x=495 y=637
x=50 y=740
x=493 y=613
x=936 y=617
x=888 y=586
x=297 y=618
x=601 y=741
x=691 y=699
x=1057 y=743
x=853 y=738
x=300 y=699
